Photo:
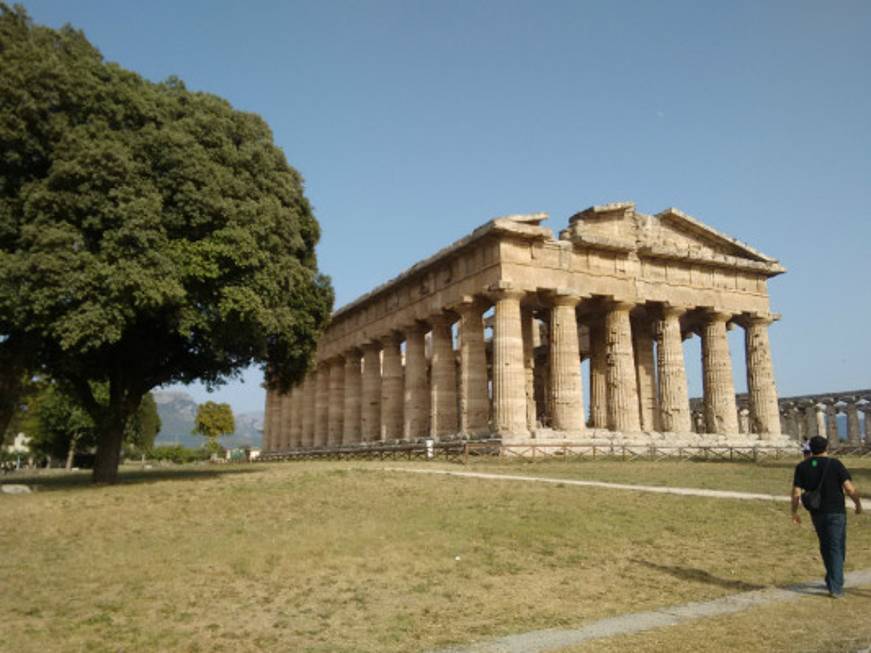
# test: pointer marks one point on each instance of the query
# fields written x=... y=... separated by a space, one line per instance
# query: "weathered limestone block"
x=566 y=400
x=353 y=397
x=322 y=405
x=645 y=373
x=336 y=413
x=474 y=397
x=371 y=393
x=598 y=374
x=760 y=378
x=622 y=385
x=509 y=375
x=674 y=403
x=309 y=393
x=721 y=413
x=392 y=388
x=443 y=384
x=416 y=423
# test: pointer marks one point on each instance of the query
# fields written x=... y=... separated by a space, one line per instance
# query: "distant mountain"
x=178 y=410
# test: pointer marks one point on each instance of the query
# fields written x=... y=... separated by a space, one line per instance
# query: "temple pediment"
x=670 y=234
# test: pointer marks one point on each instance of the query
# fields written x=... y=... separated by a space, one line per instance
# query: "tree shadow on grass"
x=49 y=480
x=699 y=576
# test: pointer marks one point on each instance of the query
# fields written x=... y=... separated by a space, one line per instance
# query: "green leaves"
x=148 y=234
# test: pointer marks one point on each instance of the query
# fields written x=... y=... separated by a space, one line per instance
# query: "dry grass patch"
x=338 y=557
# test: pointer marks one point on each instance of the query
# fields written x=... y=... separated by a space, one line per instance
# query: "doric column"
x=509 y=375
x=309 y=393
x=443 y=379
x=297 y=409
x=831 y=422
x=370 y=417
x=416 y=409
x=645 y=373
x=853 y=422
x=622 y=385
x=566 y=400
x=721 y=414
x=598 y=374
x=353 y=399
x=527 y=331
x=322 y=405
x=674 y=403
x=810 y=417
x=820 y=414
x=474 y=396
x=392 y=388
x=337 y=401
x=760 y=377
x=867 y=424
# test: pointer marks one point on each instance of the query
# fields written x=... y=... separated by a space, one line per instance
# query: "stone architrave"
x=831 y=422
x=566 y=399
x=509 y=375
x=416 y=407
x=527 y=331
x=443 y=382
x=370 y=418
x=761 y=388
x=674 y=402
x=853 y=436
x=336 y=415
x=474 y=396
x=721 y=412
x=622 y=384
x=309 y=390
x=645 y=373
x=598 y=374
x=322 y=406
x=392 y=388
x=353 y=399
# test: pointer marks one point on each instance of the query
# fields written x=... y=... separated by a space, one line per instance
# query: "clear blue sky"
x=414 y=122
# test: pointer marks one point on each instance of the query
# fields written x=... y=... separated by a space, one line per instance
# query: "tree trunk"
x=71 y=452
x=109 y=453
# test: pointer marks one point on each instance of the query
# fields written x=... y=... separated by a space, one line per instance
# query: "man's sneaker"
x=836 y=595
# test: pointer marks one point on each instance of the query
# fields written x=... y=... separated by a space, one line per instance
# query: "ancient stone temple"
x=486 y=338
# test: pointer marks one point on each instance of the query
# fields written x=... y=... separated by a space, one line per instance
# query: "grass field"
x=348 y=557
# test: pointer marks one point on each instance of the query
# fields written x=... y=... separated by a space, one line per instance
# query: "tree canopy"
x=148 y=234
x=214 y=420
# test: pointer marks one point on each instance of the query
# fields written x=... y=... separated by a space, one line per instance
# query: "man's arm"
x=795 y=500
x=851 y=491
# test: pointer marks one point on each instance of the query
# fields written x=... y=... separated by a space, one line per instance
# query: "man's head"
x=818 y=445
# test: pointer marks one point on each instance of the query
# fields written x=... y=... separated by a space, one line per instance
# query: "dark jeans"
x=832 y=532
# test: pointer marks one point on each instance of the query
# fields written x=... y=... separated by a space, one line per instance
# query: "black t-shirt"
x=808 y=474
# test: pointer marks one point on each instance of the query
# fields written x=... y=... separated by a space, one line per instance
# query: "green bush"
x=177 y=454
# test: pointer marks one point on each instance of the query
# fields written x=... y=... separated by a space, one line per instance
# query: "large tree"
x=148 y=234
x=214 y=420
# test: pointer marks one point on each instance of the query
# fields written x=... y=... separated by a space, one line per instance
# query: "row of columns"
x=821 y=418
x=368 y=394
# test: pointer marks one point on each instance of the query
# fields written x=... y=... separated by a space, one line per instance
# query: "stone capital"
x=673 y=310
x=392 y=338
x=503 y=290
x=715 y=315
x=442 y=319
x=563 y=297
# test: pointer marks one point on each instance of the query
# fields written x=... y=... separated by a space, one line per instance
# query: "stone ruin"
x=486 y=337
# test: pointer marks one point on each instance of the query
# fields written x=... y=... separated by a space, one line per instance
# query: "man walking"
x=829 y=475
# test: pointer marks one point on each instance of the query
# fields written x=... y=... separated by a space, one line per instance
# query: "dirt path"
x=541 y=641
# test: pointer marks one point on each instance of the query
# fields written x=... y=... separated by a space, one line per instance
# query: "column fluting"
x=322 y=406
x=309 y=392
x=474 y=395
x=674 y=403
x=761 y=388
x=645 y=373
x=566 y=400
x=719 y=388
x=622 y=384
x=336 y=413
x=443 y=379
x=416 y=407
x=598 y=374
x=370 y=418
x=297 y=409
x=853 y=436
x=509 y=376
x=392 y=388
x=353 y=397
